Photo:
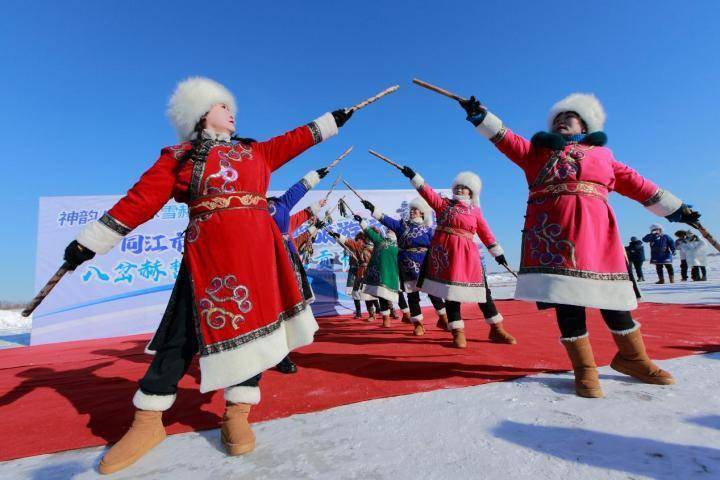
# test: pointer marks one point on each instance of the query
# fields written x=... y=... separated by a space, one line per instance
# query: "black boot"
x=286 y=365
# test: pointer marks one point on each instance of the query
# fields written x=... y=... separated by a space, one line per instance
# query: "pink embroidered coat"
x=452 y=269
x=571 y=248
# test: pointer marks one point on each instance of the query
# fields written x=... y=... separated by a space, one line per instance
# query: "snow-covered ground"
x=14 y=329
x=534 y=427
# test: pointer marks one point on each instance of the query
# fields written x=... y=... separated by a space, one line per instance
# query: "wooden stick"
x=342 y=155
x=332 y=187
x=372 y=99
x=354 y=191
x=507 y=267
x=46 y=289
x=439 y=90
x=385 y=159
x=707 y=235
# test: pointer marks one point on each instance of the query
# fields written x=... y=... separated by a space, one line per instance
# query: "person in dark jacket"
x=636 y=256
x=681 y=238
x=662 y=249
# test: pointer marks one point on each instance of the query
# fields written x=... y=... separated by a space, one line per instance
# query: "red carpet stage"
x=78 y=394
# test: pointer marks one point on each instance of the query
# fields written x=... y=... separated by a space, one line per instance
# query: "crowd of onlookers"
x=691 y=249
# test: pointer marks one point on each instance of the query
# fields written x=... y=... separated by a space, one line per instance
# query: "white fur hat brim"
x=419 y=203
x=192 y=99
x=584 y=104
x=471 y=181
x=655 y=226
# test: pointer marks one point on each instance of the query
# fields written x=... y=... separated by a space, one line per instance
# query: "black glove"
x=333 y=234
x=368 y=205
x=322 y=172
x=76 y=254
x=341 y=116
x=408 y=172
x=358 y=218
x=500 y=259
x=474 y=109
x=684 y=214
x=319 y=224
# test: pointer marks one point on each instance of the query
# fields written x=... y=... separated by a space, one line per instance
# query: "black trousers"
x=385 y=304
x=357 y=306
x=453 y=310
x=699 y=273
x=402 y=303
x=683 y=270
x=571 y=320
x=172 y=359
x=659 y=270
x=437 y=302
x=638 y=269
x=488 y=308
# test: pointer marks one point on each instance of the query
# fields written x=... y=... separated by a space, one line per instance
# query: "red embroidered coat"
x=452 y=269
x=571 y=248
x=249 y=311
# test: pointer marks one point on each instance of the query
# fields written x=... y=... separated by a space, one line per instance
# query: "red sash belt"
x=590 y=189
x=227 y=201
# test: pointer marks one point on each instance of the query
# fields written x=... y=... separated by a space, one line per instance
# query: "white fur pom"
x=192 y=99
x=472 y=181
x=584 y=104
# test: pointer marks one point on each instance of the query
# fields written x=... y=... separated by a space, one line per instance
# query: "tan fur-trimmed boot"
x=587 y=382
x=457 y=328
x=499 y=335
x=146 y=432
x=406 y=316
x=632 y=359
x=386 y=321
x=235 y=433
x=419 y=329
x=442 y=322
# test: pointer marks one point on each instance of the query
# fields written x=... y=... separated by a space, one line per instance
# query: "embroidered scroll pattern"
x=222 y=290
x=546 y=247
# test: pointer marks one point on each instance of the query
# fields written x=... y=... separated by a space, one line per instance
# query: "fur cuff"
x=495 y=319
x=417 y=181
x=442 y=311
x=377 y=214
x=311 y=179
x=312 y=230
x=490 y=126
x=405 y=310
x=327 y=126
x=456 y=325
x=343 y=239
x=364 y=224
x=628 y=331
x=573 y=339
x=314 y=208
x=662 y=203
x=384 y=313
x=242 y=394
x=418 y=319
x=496 y=250
x=98 y=238
x=153 y=403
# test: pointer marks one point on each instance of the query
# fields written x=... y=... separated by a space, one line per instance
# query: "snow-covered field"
x=534 y=427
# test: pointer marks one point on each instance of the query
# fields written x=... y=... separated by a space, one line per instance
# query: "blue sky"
x=84 y=87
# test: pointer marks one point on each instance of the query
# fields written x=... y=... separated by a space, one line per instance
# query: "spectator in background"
x=681 y=236
x=636 y=255
x=662 y=249
x=696 y=253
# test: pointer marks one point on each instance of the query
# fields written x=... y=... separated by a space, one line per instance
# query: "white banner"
x=125 y=292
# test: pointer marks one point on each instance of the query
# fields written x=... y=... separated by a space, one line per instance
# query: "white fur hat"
x=472 y=181
x=656 y=226
x=419 y=203
x=584 y=104
x=192 y=99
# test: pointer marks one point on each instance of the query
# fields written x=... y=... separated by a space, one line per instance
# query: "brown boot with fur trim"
x=442 y=322
x=406 y=317
x=419 y=330
x=459 y=340
x=146 y=432
x=587 y=382
x=235 y=433
x=632 y=360
x=499 y=335
x=386 y=321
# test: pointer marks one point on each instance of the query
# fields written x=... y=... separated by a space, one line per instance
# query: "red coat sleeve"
x=149 y=194
x=433 y=199
x=299 y=218
x=483 y=231
x=281 y=149
x=630 y=183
